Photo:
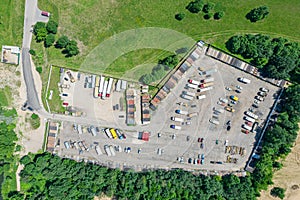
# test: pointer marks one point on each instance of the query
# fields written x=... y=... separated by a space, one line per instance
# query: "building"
x=51 y=138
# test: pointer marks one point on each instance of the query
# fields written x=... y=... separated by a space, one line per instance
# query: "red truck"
x=46 y=14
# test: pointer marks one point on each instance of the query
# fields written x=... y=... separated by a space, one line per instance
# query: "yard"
x=90 y=22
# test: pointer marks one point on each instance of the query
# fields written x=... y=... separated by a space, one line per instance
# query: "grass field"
x=5 y=96
x=90 y=22
x=11 y=22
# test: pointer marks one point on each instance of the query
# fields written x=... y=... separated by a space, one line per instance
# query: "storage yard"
x=207 y=116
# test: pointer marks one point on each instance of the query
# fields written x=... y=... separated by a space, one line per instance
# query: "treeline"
x=278 y=139
x=8 y=146
x=277 y=57
x=50 y=177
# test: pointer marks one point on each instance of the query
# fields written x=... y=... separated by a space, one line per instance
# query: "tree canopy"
x=257 y=14
x=195 y=6
x=52 y=26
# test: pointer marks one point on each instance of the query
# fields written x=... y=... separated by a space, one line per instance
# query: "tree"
x=39 y=69
x=62 y=42
x=52 y=26
x=257 y=14
x=208 y=7
x=147 y=79
x=41 y=34
x=179 y=16
x=37 y=26
x=208 y=16
x=277 y=192
x=195 y=6
x=169 y=62
x=32 y=52
x=49 y=41
x=219 y=15
x=71 y=49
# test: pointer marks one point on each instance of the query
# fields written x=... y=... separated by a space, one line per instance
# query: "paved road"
x=32 y=15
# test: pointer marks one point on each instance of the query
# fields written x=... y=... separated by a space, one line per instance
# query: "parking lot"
x=198 y=141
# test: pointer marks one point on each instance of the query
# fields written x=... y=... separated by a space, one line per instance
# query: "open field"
x=288 y=176
x=5 y=96
x=11 y=22
x=90 y=22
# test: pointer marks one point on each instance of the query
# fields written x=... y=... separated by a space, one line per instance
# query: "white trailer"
x=201 y=96
x=101 y=85
x=189 y=93
x=213 y=121
x=79 y=129
x=207 y=80
x=112 y=150
x=250 y=114
x=191 y=81
x=103 y=96
x=175 y=127
x=108 y=91
x=107 y=150
x=182 y=112
x=194 y=114
x=108 y=133
x=118 y=86
x=124 y=85
x=93 y=130
x=93 y=80
x=98 y=150
x=187 y=97
x=246 y=127
x=205 y=89
x=177 y=119
x=189 y=85
x=96 y=92
x=249 y=119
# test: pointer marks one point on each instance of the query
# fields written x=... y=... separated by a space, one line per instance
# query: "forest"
x=277 y=57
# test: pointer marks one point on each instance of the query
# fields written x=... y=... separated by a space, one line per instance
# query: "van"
x=244 y=80
x=201 y=96
x=177 y=119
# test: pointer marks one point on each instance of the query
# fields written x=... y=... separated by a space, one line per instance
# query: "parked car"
x=239 y=87
x=65 y=104
x=264 y=89
x=228 y=88
x=200 y=139
x=259 y=98
x=262 y=94
x=228 y=128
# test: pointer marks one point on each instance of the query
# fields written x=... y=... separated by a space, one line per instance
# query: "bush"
x=39 y=69
x=208 y=7
x=52 y=27
x=34 y=116
x=49 y=41
x=277 y=192
x=179 y=16
x=32 y=52
x=195 y=6
x=208 y=16
x=219 y=15
x=35 y=121
x=38 y=26
x=258 y=13
x=71 y=49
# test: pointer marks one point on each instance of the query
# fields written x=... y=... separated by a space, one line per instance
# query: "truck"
x=254 y=127
x=207 y=80
x=97 y=81
x=103 y=96
x=213 y=121
x=119 y=134
x=250 y=114
x=108 y=133
x=107 y=150
x=208 y=72
x=189 y=85
x=71 y=76
x=112 y=150
x=98 y=150
x=79 y=129
x=113 y=133
x=219 y=110
x=187 y=97
x=201 y=96
x=193 y=82
x=182 y=112
x=110 y=83
x=96 y=92
x=192 y=114
x=205 y=89
x=189 y=93
x=234 y=98
x=175 y=127
x=246 y=127
x=93 y=80
x=244 y=80
x=249 y=119
x=177 y=119
x=204 y=85
x=67 y=144
x=101 y=84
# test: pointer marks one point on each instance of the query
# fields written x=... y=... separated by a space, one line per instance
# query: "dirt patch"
x=288 y=177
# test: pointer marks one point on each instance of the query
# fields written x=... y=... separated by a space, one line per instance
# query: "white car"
x=256 y=101
x=223 y=100
x=228 y=88
x=239 y=87
x=264 y=89
x=259 y=98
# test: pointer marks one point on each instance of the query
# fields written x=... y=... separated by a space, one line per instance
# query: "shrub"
x=39 y=69
x=258 y=13
x=208 y=16
x=62 y=42
x=195 y=6
x=52 y=27
x=179 y=16
x=32 y=52
x=219 y=15
x=277 y=192
x=208 y=7
x=49 y=41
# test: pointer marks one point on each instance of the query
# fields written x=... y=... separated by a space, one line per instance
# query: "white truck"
x=205 y=89
x=79 y=129
x=187 y=97
x=207 y=80
x=189 y=85
x=175 y=127
x=103 y=96
x=112 y=150
x=201 y=96
x=98 y=150
x=177 y=119
x=193 y=82
x=192 y=114
x=249 y=119
x=213 y=121
x=244 y=80
x=101 y=85
x=250 y=114
x=107 y=150
x=110 y=83
x=246 y=127
x=182 y=112
x=189 y=93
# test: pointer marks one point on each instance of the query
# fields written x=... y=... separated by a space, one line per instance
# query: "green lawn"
x=90 y=22
x=5 y=96
x=11 y=22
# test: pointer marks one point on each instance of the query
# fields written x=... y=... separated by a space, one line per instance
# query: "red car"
x=200 y=139
x=65 y=104
x=248 y=123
